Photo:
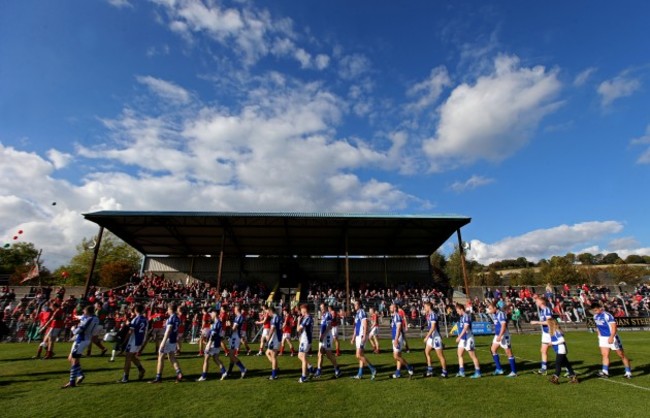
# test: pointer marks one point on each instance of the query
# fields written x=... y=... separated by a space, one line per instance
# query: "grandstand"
x=283 y=249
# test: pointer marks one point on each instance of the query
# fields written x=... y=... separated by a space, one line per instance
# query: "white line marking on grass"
x=623 y=383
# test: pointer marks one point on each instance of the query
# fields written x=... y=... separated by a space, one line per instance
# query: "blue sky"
x=532 y=118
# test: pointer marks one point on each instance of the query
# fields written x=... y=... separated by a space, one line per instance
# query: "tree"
x=438 y=264
x=611 y=258
x=571 y=258
x=17 y=260
x=634 y=259
x=114 y=255
x=586 y=259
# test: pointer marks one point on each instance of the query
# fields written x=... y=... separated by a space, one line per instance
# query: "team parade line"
x=276 y=333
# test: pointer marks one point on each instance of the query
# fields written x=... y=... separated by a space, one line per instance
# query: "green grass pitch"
x=30 y=388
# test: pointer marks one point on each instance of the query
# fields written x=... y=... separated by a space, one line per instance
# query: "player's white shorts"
x=560 y=348
x=546 y=338
x=304 y=346
x=467 y=345
x=505 y=341
x=53 y=333
x=99 y=330
x=168 y=348
x=359 y=342
x=273 y=343
x=604 y=343
x=205 y=332
x=335 y=332
x=435 y=342
x=131 y=347
x=326 y=344
x=213 y=350
x=398 y=348
x=235 y=342
x=79 y=348
x=374 y=331
x=286 y=336
x=265 y=332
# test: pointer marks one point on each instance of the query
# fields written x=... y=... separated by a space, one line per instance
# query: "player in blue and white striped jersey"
x=501 y=339
x=305 y=331
x=273 y=345
x=325 y=342
x=397 y=328
x=359 y=340
x=465 y=342
x=137 y=333
x=433 y=341
x=235 y=341
x=83 y=336
x=608 y=339
x=168 y=345
x=544 y=315
x=213 y=347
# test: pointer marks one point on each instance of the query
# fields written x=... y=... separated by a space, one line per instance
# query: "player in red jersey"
x=206 y=323
x=335 y=329
x=244 y=331
x=265 y=321
x=43 y=317
x=374 y=330
x=224 y=317
x=54 y=327
x=287 y=327
x=157 y=321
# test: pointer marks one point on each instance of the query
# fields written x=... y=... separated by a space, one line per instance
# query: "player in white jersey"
x=275 y=336
x=359 y=340
x=433 y=341
x=325 y=342
x=168 y=345
x=544 y=314
x=83 y=336
x=465 y=342
x=397 y=330
x=135 y=339
x=213 y=347
x=501 y=339
x=305 y=331
x=235 y=341
x=608 y=340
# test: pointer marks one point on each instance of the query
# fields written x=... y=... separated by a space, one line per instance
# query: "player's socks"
x=628 y=370
x=40 y=350
x=204 y=375
x=113 y=353
x=497 y=361
x=73 y=374
x=158 y=376
x=444 y=373
x=605 y=369
x=544 y=365
x=274 y=373
x=360 y=372
x=513 y=368
x=223 y=370
x=241 y=366
x=397 y=374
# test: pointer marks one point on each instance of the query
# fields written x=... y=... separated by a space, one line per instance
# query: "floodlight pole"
x=93 y=261
x=347 y=274
x=461 y=252
x=220 y=270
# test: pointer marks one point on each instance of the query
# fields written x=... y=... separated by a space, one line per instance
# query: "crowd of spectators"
x=19 y=318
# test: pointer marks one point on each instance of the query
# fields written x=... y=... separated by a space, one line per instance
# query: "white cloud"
x=623 y=243
x=120 y=3
x=322 y=61
x=543 y=243
x=58 y=158
x=584 y=76
x=470 y=184
x=428 y=91
x=303 y=57
x=623 y=85
x=494 y=117
x=644 y=158
x=165 y=89
x=353 y=66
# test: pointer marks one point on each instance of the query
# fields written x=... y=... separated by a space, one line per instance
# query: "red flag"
x=32 y=273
